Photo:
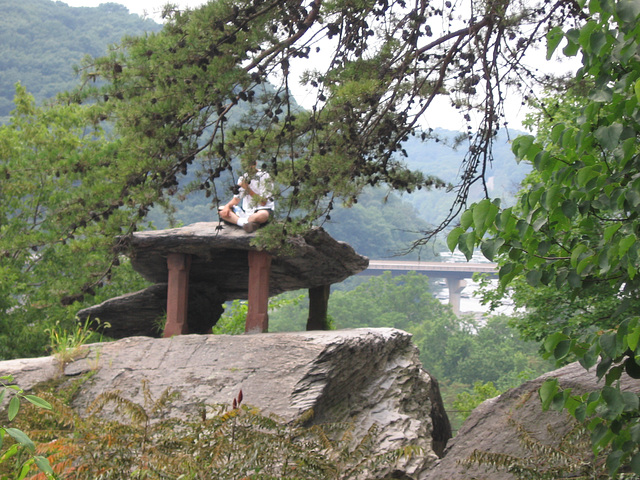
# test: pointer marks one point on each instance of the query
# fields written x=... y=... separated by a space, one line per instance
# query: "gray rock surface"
x=219 y=273
x=220 y=258
x=489 y=429
x=365 y=376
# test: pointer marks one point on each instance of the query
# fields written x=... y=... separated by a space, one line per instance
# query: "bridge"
x=453 y=273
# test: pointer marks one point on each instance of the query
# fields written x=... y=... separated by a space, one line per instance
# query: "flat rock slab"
x=365 y=376
x=219 y=257
x=219 y=273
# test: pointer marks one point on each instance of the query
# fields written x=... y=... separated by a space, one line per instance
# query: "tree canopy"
x=576 y=225
x=170 y=95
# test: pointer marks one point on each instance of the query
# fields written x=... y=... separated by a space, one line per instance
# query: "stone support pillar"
x=318 y=307
x=259 y=273
x=456 y=285
x=177 y=294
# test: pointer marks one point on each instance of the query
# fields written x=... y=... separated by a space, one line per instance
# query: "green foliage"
x=466 y=401
x=66 y=345
x=61 y=205
x=576 y=226
x=233 y=318
x=20 y=456
x=221 y=442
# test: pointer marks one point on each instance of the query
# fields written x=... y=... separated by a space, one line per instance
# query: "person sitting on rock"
x=254 y=191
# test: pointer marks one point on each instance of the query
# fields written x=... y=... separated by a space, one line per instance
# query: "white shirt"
x=261 y=185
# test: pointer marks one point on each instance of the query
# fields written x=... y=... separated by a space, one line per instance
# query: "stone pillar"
x=177 y=294
x=456 y=285
x=318 y=306
x=259 y=273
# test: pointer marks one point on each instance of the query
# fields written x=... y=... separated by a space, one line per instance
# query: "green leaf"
x=599 y=435
x=585 y=174
x=562 y=349
x=38 y=402
x=626 y=243
x=609 y=137
x=637 y=89
x=554 y=37
x=597 y=40
x=490 y=247
x=613 y=462
x=21 y=438
x=631 y=401
x=633 y=337
x=547 y=392
x=569 y=208
x=14 y=406
x=577 y=252
x=553 y=340
x=43 y=464
x=466 y=243
x=608 y=344
x=533 y=277
x=635 y=463
x=613 y=399
x=466 y=219
x=610 y=231
x=628 y=10
x=481 y=216
x=452 y=238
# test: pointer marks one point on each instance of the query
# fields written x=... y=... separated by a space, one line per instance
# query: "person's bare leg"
x=231 y=218
x=261 y=216
x=255 y=220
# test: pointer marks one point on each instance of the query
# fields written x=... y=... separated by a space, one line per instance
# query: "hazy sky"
x=152 y=8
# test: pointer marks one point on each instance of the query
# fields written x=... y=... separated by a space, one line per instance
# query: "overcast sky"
x=152 y=8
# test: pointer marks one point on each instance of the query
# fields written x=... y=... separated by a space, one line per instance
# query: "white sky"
x=150 y=8
x=446 y=117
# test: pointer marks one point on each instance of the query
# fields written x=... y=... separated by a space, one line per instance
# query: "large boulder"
x=507 y=424
x=365 y=376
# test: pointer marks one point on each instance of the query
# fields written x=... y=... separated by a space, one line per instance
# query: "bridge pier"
x=455 y=285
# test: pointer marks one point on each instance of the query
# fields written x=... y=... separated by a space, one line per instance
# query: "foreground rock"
x=493 y=426
x=365 y=376
x=219 y=272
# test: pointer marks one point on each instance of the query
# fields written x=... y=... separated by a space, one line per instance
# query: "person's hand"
x=225 y=211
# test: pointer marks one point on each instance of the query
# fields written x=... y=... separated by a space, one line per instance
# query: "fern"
x=220 y=442
x=566 y=456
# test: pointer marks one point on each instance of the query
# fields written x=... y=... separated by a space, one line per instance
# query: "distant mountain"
x=504 y=176
x=42 y=40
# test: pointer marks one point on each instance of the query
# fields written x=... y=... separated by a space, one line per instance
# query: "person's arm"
x=258 y=198
x=225 y=210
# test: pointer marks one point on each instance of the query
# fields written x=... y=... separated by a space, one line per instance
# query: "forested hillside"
x=42 y=40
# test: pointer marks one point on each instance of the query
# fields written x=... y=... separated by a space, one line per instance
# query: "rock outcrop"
x=493 y=426
x=365 y=376
x=219 y=272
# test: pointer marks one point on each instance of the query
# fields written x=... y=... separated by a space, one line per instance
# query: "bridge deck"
x=432 y=268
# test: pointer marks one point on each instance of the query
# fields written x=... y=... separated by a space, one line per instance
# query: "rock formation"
x=493 y=426
x=219 y=272
x=364 y=376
